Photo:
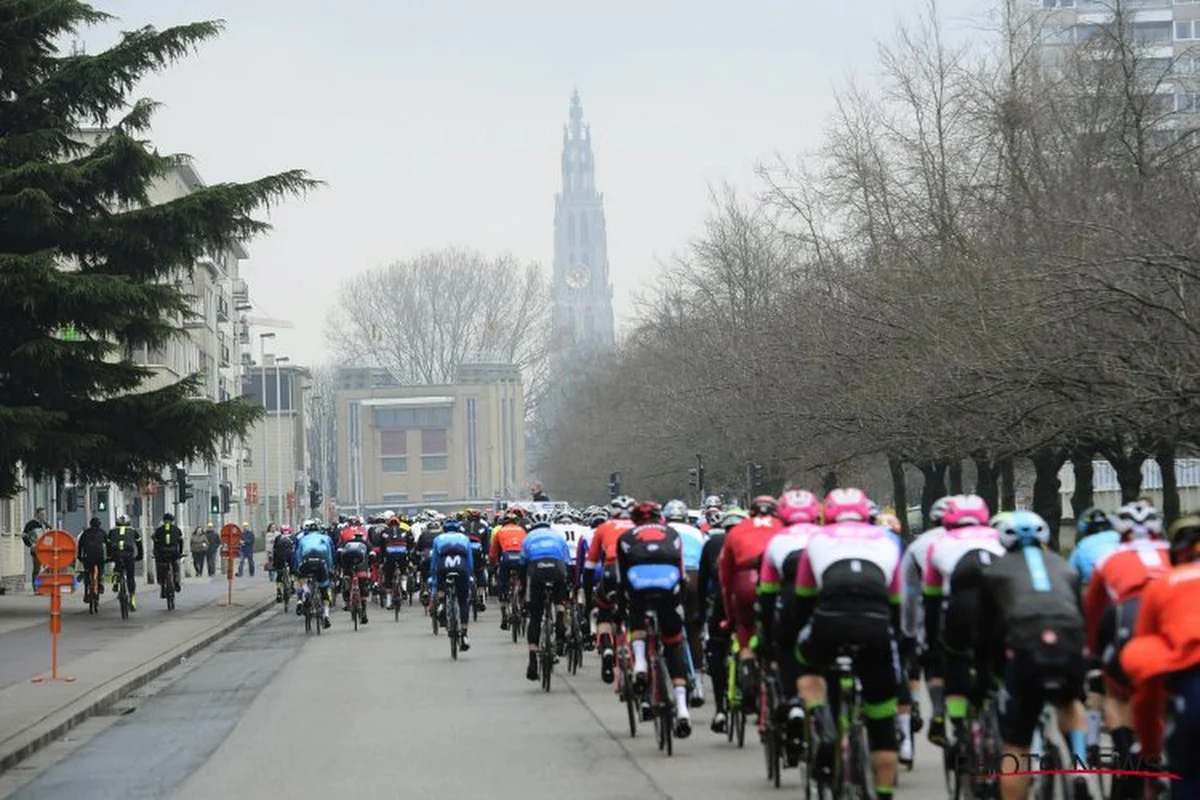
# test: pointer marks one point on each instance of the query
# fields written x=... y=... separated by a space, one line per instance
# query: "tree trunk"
x=1129 y=473
x=900 y=495
x=1084 y=496
x=1165 y=456
x=986 y=483
x=956 y=476
x=830 y=481
x=1008 y=487
x=933 y=488
x=1047 y=461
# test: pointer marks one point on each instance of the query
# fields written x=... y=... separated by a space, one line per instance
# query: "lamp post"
x=264 y=490
x=279 y=425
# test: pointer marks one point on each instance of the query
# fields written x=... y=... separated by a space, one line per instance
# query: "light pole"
x=279 y=425
x=264 y=491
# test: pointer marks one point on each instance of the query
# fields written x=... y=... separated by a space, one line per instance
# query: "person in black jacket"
x=124 y=547
x=91 y=552
x=33 y=529
x=168 y=549
x=713 y=611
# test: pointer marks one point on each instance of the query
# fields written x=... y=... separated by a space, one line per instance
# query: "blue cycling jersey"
x=1089 y=550
x=451 y=552
x=545 y=543
x=313 y=544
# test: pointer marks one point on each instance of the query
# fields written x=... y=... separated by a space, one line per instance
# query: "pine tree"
x=88 y=266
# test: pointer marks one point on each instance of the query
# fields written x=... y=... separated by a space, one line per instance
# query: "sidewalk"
x=109 y=657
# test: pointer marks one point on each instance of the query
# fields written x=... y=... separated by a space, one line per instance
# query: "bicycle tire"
x=170 y=601
x=397 y=600
x=354 y=614
x=123 y=598
x=514 y=623
x=666 y=705
x=433 y=614
x=546 y=644
x=864 y=773
x=630 y=702
x=741 y=729
x=318 y=623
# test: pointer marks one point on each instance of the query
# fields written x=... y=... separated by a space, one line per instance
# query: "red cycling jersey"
x=603 y=547
x=1120 y=576
x=737 y=570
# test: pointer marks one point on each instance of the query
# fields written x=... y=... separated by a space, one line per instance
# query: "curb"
x=64 y=718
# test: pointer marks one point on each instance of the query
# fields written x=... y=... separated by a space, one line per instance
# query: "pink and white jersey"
x=950 y=548
x=850 y=542
x=788 y=541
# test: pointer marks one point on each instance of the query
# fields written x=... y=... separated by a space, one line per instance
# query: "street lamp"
x=264 y=490
x=278 y=426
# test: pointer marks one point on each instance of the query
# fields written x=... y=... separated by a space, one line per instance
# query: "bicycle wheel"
x=318 y=622
x=452 y=631
x=123 y=598
x=433 y=613
x=631 y=707
x=665 y=712
x=514 y=622
x=546 y=644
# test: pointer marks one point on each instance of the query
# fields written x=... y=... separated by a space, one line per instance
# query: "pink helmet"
x=799 y=505
x=847 y=505
x=965 y=509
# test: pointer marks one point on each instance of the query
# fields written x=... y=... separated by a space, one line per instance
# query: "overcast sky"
x=439 y=122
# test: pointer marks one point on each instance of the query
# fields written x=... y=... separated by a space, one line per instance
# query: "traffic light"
x=757 y=478
x=72 y=499
x=102 y=499
x=183 y=486
x=314 y=494
x=696 y=475
x=226 y=497
x=614 y=485
x=214 y=504
x=694 y=478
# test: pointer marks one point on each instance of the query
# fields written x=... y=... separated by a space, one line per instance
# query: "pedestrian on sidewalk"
x=214 y=548
x=33 y=529
x=198 y=543
x=269 y=548
x=246 y=550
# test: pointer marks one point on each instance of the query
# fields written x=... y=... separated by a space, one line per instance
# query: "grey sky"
x=440 y=122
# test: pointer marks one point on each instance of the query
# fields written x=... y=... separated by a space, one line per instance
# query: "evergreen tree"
x=88 y=267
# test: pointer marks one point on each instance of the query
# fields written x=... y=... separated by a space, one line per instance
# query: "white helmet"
x=1138 y=520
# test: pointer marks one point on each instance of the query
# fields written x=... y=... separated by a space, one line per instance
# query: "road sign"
x=291 y=500
x=252 y=494
x=55 y=550
x=55 y=554
x=231 y=536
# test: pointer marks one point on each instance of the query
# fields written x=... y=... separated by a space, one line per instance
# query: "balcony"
x=243 y=332
x=223 y=341
x=241 y=294
x=222 y=307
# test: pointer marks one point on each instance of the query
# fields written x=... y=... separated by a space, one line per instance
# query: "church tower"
x=582 y=289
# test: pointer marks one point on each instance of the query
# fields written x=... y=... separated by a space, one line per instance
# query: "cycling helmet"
x=620 y=507
x=341 y=519
x=847 y=505
x=965 y=509
x=285 y=529
x=597 y=517
x=713 y=516
x=646 y=513
x=311 y=525
x=565 y=517
x=451 y=526
x=889 y=521
x=712 y=501
x=874 y=513
x=1021 y=529
x=1138 y=520
x=389 y=514
x=1092 y=521
x=124 y=520
x=541 y=517
x=799 y=505
x=763 y=505
x=938 y=510
x=433 y=526
x=732 y=516
x=675 y=511
x=1185 y=539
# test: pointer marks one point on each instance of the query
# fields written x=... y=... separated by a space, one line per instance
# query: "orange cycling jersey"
x=1166 y=641
x=1120 y=576
x=603 y=549
x=507 y=539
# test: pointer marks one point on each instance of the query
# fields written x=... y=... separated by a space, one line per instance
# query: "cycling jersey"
x=314 y=547
x=737 y=569
x=545 y=544
x=348 y=534
x=354 y=555
x=167 y=541
x=952 y=547
x=773 y=573
x=1166 y=644
x=1120 y=576
x=912 y=568
x=710 y=586
x=1090 y=550
x=1027 y=592
x=452 y=553
x=507 y=540
x=397 y=541
x=851 y=566
x=693 y=544
x=603 y=547
x=124 y=542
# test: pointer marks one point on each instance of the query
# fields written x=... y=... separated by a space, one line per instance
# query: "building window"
x=435 y=496
x=472 y=447
x=418 y=417
x=394 y=499
x=1152 y=32
x=434 y=450
x=1185 y=31
x=393 y=450
x=1058 y=3
x=394 y=465
x=583 y=230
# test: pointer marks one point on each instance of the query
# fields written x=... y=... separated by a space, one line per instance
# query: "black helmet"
x=1185 y=540
x=1093 y=520
x=168 y=517
x=94 y=522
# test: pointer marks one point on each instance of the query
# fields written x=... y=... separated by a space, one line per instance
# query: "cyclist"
x=1111 y=609
x=675 y=513
x=650 y=571
x=544 y=559
x=601 y=567
x=282 y=550
x=124 y=547
x=801 y=512
x=738 y=574
x=712 y=612
x=423 y=548
x=1094 y=539
x=397 y=543
x=480 y=533
x=917 y=659
x=90 y=552
x=313 y=560
x=354 y=559
x=848 y=595
x=710 y=513
x=1029 y=629
x=452 y=553
x=1163 y=661
x=951 y=582
x=505 y=555
x=594 y=517
x=167 y=541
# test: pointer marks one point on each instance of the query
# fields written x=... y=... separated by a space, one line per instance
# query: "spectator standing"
x=33 y=529
x=214 y=548
x=246 y=551
x=198 y=544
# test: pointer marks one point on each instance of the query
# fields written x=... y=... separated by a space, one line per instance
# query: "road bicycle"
x=772 y=726
x=168 y=573
x=123 y=599
x=852 y=775
x=516 y=608
x=658 y=683
x=286 y=587
x=453 y=612
x=92 y=588
x=574 y=638
x=624 y=682
x=546 y=640
x=358 y=605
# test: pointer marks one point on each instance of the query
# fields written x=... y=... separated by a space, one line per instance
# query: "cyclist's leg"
x=716 y=655
x=535 y=604
x=957 y=638
x=635 y=628
x=1018 y=717
x=815 y=648
x=670 y=623
x=691 y=611
x=878 y=669
x=130 y=576
x=745 y=594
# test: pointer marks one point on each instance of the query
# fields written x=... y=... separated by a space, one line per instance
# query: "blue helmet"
x=1021 y=529
x=451 y=526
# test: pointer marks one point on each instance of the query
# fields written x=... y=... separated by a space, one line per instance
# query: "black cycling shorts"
x=1031 y=680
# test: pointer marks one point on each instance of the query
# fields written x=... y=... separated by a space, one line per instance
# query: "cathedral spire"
x=576 y=115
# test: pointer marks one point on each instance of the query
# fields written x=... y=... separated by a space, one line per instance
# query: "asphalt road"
x=384 y=711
